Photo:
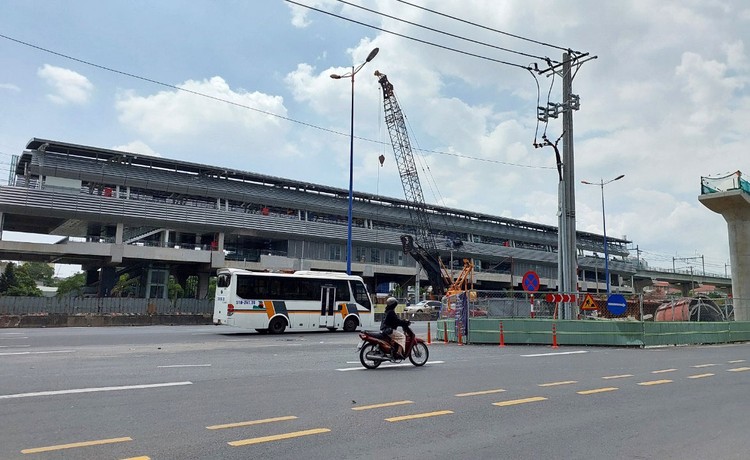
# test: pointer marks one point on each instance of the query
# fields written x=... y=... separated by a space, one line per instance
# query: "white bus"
x=300 y=301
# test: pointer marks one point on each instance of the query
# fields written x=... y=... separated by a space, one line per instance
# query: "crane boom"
x=422 y=246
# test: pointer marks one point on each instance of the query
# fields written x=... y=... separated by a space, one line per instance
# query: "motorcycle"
x=377 y=348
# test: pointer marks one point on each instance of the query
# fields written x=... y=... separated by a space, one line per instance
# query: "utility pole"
x=568 y=218
x=567 y=249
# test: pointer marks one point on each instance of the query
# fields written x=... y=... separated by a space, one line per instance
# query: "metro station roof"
x=178 y=166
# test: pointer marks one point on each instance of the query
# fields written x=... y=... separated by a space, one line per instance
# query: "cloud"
x=70 y=87
x=207 y=120
x=136 y=147
x=10 y=87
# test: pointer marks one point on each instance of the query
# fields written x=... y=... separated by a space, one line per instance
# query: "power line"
x=489 y=28
x=541 y=58
x=218 y=99
x=419 y=40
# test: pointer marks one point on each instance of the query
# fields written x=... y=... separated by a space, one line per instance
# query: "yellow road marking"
x=739 y=369
x=699 y=376
x=654 y=382
x=278 y=437
x=251 y=422
x=735 y=361
x=663 y=371
x=513 y=402
x=554 y=384
x=697 y=366
x=414 y=416
x=476 y=393
x=621 y=376
x=377 y=406
x=597 y=390
x=73 y=445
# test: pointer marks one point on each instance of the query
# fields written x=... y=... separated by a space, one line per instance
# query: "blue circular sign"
x=530 y=282
x=616 y=304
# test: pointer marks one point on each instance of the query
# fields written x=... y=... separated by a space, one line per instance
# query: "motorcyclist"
x=389 y=324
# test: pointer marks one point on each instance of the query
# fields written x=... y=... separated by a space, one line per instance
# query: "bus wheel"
x=277 y=325
x=350 y=325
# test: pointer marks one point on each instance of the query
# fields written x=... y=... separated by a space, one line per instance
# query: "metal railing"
x=103 y=306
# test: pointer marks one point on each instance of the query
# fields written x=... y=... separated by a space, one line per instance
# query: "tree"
x=15 y=281
x=125 y=286
x=40 y=272
x=191 y=287
x=71 y=286
x=211 y=293
x=174 y=289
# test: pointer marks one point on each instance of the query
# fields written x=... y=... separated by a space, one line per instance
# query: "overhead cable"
x=419 y=40
x=488 y=28
x=282 y=117
x=541 y=58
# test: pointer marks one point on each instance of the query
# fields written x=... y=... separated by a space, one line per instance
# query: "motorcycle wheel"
x=368 y=348
x=419 y=354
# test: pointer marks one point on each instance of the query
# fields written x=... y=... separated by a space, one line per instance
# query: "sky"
x=246 y=85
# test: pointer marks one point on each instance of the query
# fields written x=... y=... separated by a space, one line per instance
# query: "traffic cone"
x=445 y=335
x=554 y=336
x=429 y=337
x=502 y=336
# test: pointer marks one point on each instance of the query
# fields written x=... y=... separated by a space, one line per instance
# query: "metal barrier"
x=103 y=306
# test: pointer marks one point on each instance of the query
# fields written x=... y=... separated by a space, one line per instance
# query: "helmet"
x=391 y=303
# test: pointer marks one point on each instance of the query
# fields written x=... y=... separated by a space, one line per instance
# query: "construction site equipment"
x=421 y=246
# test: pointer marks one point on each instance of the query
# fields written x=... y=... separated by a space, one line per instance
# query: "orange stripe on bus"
x=269 y=308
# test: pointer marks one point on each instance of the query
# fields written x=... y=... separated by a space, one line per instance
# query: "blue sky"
x=665 y=102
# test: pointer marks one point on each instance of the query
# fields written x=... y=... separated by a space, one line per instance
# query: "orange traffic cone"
x=554 y=336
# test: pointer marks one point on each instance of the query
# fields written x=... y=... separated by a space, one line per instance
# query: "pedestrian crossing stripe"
x=589 y=303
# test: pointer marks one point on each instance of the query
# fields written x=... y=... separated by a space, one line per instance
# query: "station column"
x=734 y=205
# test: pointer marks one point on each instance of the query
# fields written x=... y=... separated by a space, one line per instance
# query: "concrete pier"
x=734 y=205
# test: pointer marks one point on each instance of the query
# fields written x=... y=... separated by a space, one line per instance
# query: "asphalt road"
x=204 y=392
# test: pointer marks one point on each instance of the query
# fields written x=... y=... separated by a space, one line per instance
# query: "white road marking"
x=9 y=353
x=555 y=353
x=185 y=365
x=15 y=346
x=93 y=390
x=387 y=366
x=12 y=338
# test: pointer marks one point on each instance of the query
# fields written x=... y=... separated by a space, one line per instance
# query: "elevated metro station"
x=150 y=217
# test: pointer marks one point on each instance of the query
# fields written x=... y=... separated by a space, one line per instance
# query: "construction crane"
x=421 y=246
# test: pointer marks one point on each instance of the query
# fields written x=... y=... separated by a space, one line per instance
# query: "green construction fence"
x=528 y=331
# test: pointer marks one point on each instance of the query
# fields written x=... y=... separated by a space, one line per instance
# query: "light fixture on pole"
x=601 y=184
x=351 y=74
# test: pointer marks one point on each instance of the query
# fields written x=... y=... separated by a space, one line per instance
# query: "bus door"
x=327 y=302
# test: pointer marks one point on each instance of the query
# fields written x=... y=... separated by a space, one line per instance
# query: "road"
x=204 y=392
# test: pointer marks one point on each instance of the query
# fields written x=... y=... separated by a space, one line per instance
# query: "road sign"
x=560 y=298
x=530 y=282
x=616 y=304
x=589 y=303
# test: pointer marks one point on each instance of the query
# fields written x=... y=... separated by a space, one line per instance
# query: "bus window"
x=223 y=280
x=360 y=294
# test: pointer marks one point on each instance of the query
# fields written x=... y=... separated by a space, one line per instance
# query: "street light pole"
x=351 y=74
x=601 y=184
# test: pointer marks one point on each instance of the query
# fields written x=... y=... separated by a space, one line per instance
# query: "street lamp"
x=351 y=74
x=601 y=184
